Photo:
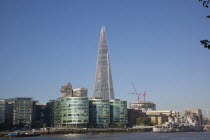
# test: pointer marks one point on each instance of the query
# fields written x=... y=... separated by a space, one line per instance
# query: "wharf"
x=53 y=131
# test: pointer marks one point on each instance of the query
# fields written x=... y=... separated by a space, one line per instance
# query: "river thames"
x=126 y=136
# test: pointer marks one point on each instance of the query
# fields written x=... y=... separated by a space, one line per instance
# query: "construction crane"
x=138 y=94
x=135 y=92
x=144 y=95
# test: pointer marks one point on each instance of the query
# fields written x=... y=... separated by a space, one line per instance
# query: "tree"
x=37 y=124
x=143 y=121
x=119 y=124
x=205 y=3
x=19 y=126
x=206 y=43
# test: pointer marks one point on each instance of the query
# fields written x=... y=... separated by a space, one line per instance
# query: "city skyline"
x=158 y=48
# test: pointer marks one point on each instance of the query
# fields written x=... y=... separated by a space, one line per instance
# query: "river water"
x=126 y=136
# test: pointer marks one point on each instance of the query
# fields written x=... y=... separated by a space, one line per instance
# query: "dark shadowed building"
x=2 y=110
x=19 y=111
x=49 y=113
x=39 y=112
x=133 y=115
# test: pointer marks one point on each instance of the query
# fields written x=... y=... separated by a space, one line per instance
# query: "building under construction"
x=145 y=106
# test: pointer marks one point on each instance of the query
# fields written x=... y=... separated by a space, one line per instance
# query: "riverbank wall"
x=78 y=131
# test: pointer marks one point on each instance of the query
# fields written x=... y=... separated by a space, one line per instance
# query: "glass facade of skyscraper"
x=2 y=110
x=71 y=112
x=103 y=82
x=19 y=111
x=118 y=113
x=99 y=110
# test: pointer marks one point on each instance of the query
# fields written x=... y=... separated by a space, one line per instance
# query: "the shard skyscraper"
x=103 y=82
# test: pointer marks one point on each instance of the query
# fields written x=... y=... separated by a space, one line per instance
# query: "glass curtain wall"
x=118 y=113
x=71 y=112
x=99 y=113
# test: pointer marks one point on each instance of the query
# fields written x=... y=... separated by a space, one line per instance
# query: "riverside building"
x=71 y=110
x=194 y=116
x=145 y=106
x=99 y=113
x=39 y=112
x=103 y=82
x=2 y=110
x=118 y=113
x=49 y=113
x=18 y=111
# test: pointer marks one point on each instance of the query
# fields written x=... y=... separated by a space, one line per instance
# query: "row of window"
x=95 y=101
x=70 y=99
x=64 y=115
x=70 y=121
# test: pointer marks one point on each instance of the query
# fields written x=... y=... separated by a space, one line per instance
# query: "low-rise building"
x=158 y=118
x=194 y=116
x=164 y=112
x=161 y=116
x=133 y=114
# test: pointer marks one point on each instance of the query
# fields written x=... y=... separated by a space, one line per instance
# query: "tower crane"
x=138 y=94
x=144 y=95
x=135 y=92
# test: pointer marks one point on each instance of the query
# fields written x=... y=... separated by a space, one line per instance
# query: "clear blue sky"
x=46 y=43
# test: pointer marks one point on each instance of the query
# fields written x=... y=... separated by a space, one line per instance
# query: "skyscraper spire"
x=103 y=34
x=103 y=82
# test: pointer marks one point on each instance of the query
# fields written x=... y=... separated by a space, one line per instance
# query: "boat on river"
x=18 y=134
x=177 y=128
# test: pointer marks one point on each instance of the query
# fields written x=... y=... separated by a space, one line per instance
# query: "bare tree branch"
x=205 y=43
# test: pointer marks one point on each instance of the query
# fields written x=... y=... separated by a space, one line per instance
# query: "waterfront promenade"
x=53 y=131
x=125 y=136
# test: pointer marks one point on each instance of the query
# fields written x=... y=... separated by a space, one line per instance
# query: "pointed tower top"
x=103 y=29
x=103 y=34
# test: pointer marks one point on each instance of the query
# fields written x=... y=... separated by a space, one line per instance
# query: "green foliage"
x=143 y=121
x=206 y=43
x=205 y=3
x=19 y=126
x=119 y=124
x=37 y=124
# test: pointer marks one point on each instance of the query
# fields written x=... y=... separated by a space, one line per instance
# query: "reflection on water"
x=126 y=136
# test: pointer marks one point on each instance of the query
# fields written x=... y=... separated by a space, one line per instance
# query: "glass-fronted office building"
x=99 y=113
x=118 y=113
x=19 y=111
x=2 y=110
x=49 y=113
x=71 y=112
